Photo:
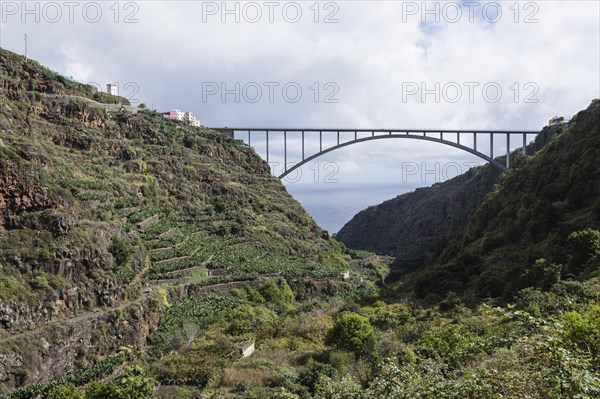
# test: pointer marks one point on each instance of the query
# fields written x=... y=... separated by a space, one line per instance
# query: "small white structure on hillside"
x=190 y=119
x=557 y=120
x=186 y=117
x=112 y=89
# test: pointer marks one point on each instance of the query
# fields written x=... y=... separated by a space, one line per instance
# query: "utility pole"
x=25 y=46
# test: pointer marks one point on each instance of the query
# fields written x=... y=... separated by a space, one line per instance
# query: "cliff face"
x=416 y=226
x=95 y=204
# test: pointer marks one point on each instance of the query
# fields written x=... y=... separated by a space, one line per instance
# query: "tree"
x=585 y=246
x=344 y=388
x=352 y=332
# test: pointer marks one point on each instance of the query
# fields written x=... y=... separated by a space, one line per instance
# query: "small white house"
x=112 y=89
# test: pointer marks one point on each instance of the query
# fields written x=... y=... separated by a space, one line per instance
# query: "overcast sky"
x=358 y=64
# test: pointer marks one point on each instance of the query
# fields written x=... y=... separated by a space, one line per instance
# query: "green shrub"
x=314 y=371
x=584 y=329
x=447 y=341
x=342 y=388
x=133 y=384
x=121 y=249
x=352 y=332
x=248 y=319
x=69 y=391
x=584 y=246
x=277 y=292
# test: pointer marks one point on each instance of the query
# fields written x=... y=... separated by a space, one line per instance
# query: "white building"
x=190 y=119
x=112 y=89
x=186 y=117
x=557 y=120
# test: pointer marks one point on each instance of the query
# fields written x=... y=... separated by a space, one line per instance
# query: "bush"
x=584 y=329
x=313 y=373
x=352 y=332
x=387 y=319
x=65 y=392
x=121 y=250
x=133 y=384
x=542 y=274
x=585 y=246
x=277 y=292
x=448 y=341
x=249 y=319
x=344 y=388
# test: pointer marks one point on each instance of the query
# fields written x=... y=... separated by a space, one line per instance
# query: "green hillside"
x=531 y=229
x=96 y=204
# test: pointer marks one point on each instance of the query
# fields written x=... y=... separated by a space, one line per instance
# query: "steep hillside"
x=98 y=202
x=415 y=227
x=531 y=229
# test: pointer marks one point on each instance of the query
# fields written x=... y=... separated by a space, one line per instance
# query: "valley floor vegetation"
x=357 y=341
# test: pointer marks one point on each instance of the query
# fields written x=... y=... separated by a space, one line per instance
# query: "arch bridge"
x=298 y=138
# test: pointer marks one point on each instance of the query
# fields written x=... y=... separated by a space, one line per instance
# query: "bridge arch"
x=393 y=136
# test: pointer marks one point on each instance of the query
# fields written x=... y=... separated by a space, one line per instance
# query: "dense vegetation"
x=544 y=345
x=537 y=226
x=157 y=256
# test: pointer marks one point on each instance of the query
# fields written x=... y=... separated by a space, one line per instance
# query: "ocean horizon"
x=332 y=205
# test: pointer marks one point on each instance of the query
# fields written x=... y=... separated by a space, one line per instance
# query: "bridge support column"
x=285 y=151
x=267 y=141
x=320 y=141
x=492 y=145
x=507 y=151
x=475 y=141
x=303 y=145
x=524 y=144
